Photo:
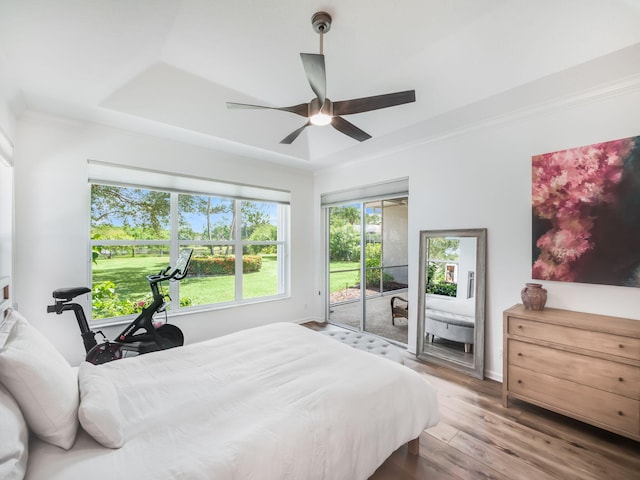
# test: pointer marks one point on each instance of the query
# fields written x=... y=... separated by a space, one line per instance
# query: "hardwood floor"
x=477 y=438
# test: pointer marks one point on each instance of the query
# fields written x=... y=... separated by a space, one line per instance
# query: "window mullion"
x=174 y=249
x=237 y=211
x=282 y=252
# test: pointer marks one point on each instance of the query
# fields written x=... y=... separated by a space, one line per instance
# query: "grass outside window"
x=129 y=273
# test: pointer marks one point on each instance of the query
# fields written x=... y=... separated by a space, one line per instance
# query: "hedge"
x=223 y=265
x=448 y=289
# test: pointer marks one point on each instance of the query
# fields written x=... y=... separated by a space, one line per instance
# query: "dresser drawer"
x=602 y=374
x=626 y=347
x=583 y=402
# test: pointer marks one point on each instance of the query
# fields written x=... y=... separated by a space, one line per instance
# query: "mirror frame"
x=475 y=369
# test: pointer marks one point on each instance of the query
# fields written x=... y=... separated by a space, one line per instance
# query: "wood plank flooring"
x=477 y=438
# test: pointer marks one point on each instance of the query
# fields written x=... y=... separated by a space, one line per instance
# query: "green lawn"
x=339 y=279
x=128 y=274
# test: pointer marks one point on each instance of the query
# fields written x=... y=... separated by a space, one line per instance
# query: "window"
x=443 y=265
x=239 y=247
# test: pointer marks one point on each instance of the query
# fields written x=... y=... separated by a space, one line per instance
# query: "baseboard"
x=492 y=375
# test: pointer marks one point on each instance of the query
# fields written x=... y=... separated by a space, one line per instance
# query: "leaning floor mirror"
x=451 y=299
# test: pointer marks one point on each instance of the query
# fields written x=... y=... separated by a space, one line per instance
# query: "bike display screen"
x=182 y=264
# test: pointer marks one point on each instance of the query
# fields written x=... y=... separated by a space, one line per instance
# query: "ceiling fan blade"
x=316 y=74
x=366 y=104
x=288 y=140
x=349 y=128
x=301 y=109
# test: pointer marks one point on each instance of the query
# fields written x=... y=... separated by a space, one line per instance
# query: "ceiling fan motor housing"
x=315 y=107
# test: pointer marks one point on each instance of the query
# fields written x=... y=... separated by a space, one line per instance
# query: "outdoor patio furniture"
x=399 y=311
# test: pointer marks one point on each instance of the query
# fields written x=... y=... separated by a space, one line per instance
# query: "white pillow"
x=99 y=410
x=14 y=438
x=40 y=379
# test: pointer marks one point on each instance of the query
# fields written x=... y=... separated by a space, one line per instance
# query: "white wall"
x=52 y=220
x=7 y=116
x=491 y=168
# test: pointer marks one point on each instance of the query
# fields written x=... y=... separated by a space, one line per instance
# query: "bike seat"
x=69 y=293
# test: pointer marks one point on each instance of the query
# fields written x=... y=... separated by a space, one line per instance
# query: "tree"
x=129 y=207
x=254 y=216
x=344 y=236
x=207 y=207
x=345 y=214
x=344 y=243
x=442 y=248
x=262 y=233
x=121 y=213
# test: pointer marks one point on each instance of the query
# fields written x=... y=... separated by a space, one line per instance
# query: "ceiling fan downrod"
x=321 y=22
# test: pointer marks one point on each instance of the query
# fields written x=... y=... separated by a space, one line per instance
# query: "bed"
x=452 y=320
x=274 y=402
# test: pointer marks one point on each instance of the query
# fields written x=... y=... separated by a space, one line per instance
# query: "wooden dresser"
x=581 y=365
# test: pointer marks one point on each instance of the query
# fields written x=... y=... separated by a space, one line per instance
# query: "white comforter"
x=275 y=402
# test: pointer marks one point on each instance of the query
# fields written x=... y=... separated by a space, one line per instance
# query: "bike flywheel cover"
x=104 y=352
x=171 y=333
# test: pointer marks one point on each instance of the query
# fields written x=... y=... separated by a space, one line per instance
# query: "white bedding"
x=275 y=402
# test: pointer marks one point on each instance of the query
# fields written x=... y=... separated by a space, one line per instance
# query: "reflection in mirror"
x=451 y=299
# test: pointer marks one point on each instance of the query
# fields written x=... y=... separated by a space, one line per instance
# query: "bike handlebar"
x=162 y=276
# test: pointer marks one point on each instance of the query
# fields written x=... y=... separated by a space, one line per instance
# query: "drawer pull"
x=620 y=346
x=621 y=413
x=620 y=379
x=519 y=381
x=519 y=354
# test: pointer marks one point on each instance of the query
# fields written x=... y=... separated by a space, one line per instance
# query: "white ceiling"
x=167 y=67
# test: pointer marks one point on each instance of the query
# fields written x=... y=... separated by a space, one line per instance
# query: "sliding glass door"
x=367 y=265
x=345 y=264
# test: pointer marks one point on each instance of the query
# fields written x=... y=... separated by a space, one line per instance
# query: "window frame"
x=282 y=243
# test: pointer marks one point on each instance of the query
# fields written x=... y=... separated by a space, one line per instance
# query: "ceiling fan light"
x=320 y=119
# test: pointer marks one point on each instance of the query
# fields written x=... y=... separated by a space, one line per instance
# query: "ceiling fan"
x=321 y=110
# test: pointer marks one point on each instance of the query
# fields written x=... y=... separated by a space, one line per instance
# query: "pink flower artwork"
x=586 y=214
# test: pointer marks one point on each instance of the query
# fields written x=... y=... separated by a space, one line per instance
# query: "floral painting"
x=586 y=214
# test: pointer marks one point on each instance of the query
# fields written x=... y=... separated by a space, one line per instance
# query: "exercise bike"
x=141 y=335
